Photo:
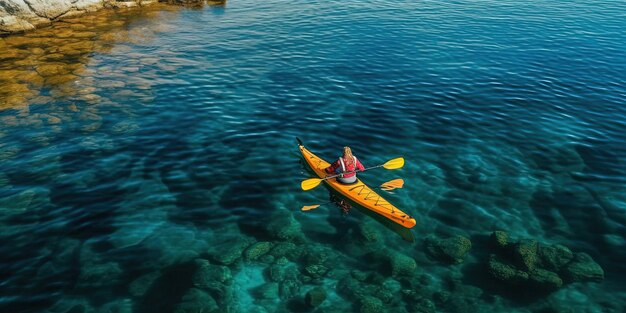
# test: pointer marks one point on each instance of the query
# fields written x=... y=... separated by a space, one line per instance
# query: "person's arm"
x=333 y=167
x=359 y=165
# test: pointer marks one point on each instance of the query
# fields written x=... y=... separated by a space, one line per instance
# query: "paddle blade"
x=310 y=207
x=310 y=183
x=392 y=184
x=394 y=164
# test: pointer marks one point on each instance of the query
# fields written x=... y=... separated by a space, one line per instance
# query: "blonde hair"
x=347 y=155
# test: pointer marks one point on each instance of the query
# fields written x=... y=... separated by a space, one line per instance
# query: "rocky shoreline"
x=23 y=15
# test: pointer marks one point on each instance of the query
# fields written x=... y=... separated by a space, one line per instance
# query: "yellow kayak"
x=358 y=192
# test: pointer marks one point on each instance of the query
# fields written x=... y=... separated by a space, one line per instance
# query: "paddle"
x=314 y=182
x=387 y=186
x=392 y=184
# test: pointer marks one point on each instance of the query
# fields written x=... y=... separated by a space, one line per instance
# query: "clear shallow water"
x=172 y=132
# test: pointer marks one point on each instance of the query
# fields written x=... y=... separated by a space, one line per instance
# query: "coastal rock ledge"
x=23 y=15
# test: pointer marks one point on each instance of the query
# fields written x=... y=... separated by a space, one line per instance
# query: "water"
x=134 y=144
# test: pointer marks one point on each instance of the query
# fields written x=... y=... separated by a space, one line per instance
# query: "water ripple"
x=131 y=141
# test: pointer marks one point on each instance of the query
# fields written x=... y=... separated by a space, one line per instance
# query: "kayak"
x=358 y=192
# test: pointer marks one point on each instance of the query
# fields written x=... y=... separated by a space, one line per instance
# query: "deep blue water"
x=510 y=116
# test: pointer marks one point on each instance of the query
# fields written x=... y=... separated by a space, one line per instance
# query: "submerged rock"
x=502 y=271
x=545 y=280
x=370 y=305
x=369 y=232
x=257 y=249
x=285 y=249
x=52 y=69
x=500 y=239
x=315 y=271
x=349 y=287
x=358 y=275
x=389 y=293
x=541 y=267
x=283 y=226
x=554 y=257
x=282 y=270
x=289 y=288
x=583 y=269
x=276 y=273
x=99 y=275
x=317 y=255
x=525 y=254
x=210 y=277
x=450 y=250
x=267 y=259
x=197 y=301
x=141 y=285
x=175 y=243
x=268 y=291
x=423 y=306
x=229 y=251
x=95 y=272
x=402 y=265
x=472 y=169
x=142 y=215
x=315 y=297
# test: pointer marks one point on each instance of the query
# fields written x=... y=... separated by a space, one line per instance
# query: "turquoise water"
x=510 y=116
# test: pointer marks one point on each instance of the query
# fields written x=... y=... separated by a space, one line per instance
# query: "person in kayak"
x=346 y=163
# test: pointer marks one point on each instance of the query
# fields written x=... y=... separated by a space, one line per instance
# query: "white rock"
x=87 y=5
x=22 y=15
x=49 y=9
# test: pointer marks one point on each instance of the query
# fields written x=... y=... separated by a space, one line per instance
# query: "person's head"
x=347 y=153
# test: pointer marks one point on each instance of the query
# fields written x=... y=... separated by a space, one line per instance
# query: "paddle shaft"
x=350 y=172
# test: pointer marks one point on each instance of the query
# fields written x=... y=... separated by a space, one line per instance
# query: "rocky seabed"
x=291 y=273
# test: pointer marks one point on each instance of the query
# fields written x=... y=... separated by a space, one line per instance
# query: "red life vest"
x=345 y=167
